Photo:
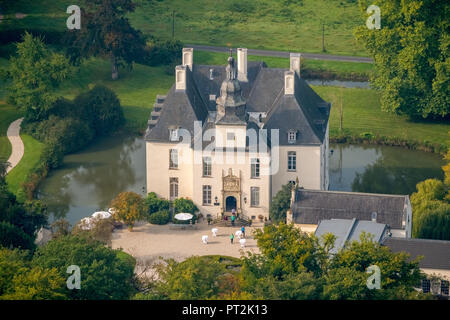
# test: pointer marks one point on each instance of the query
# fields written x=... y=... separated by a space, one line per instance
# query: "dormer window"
x=292 y=136
x=173 y=134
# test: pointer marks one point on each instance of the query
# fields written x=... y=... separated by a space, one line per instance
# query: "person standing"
x=233 y=217
x=231 y=238
x=243 y=231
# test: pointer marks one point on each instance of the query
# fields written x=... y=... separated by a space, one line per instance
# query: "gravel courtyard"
x=148 y=242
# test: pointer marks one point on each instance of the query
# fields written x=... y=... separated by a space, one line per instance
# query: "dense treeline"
x=291 y=265
x=431 y=207
x=412 y=56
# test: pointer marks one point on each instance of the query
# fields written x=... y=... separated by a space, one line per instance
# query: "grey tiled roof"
x=312 y=206
x=350 y=230
x=305 y=112
x=436 y=253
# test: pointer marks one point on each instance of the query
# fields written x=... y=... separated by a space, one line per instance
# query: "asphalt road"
x=284 y=54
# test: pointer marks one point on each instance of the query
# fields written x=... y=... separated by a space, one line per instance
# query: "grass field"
x=215 y=58
x=258 y=24
x=361 y=114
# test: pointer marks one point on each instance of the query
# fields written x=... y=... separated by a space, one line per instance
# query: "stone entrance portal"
x=231 y=193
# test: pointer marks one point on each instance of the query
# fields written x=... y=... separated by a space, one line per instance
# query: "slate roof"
x=436 y=253
x=305 y=112
x=180 y=109
x=312 y=206
x=350 y=230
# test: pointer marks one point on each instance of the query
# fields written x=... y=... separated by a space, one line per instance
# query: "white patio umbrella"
x=86 y=223
x=183 y=216
x=101 y=215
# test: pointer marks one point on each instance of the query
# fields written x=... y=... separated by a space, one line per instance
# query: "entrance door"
x=230 y=203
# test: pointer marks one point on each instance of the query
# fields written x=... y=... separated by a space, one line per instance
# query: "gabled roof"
x=312 y=206
x=436 y=253
x=306 y=112
x=180 y=109
x=348 y=230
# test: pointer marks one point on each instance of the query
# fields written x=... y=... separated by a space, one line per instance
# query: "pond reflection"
x=89 y=180
x=381 y=169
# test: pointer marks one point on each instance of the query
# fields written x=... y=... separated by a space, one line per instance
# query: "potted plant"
x=261 y=218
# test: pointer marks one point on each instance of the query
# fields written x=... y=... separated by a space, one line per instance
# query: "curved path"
x=16 y=143
x=285 y=54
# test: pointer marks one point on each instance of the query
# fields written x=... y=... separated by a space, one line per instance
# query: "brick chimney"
x=294 y=63
x=289 y=82
x=242 y=64
x=188 y=57
x=180 y=77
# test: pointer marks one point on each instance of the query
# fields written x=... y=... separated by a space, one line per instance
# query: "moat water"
x=90 y=179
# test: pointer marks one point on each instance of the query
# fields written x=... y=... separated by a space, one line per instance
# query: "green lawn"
x=215 y=58
x=258 y=24
x=362 y=114
x=17 y=176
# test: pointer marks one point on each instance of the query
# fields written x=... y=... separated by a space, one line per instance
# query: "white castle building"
x=228 y=137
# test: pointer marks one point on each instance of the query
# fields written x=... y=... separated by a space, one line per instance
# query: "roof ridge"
x=356 y=193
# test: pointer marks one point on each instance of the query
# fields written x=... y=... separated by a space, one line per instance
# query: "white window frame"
x=173 y=159
x=207 y=167
x=292 y=136
x=173 y=188
x=255 y=168
x=207 y=195
x=173 y=135
x=254 y=196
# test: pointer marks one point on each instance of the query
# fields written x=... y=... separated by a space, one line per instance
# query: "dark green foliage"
x=68 y=133
x=280 y=204
x=104 y=275
x=34 y=72
x=101 y=109
x=412 y=56
x=192 y=279
x=19 y=221
x=154 y=204
x=106 y=32
x=162 y=52
x=431 y=210
x=160 y=217
x=184 y=205
x=12 y=236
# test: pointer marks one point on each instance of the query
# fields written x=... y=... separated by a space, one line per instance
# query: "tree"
x=193 y=279
x=280 y=204
x=184 y=205
x=431 y=210
x=19 y=221
x=101 y=109
x=347 y=276
x=20 y=281
x=129 y=208
x=104 y=273
x=35 y=72
x=106 y=31
x=411 y=55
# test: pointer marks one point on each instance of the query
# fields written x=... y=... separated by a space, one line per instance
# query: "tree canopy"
x=35 y=71
x=280 y=204
x=106 y=31
x=104 y=273
x=411 y=52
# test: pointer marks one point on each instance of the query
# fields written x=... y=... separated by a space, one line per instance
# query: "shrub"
x=160 y=217
x=184 y=205
x=154 y=204
x=158 y=52
x=13 y=236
